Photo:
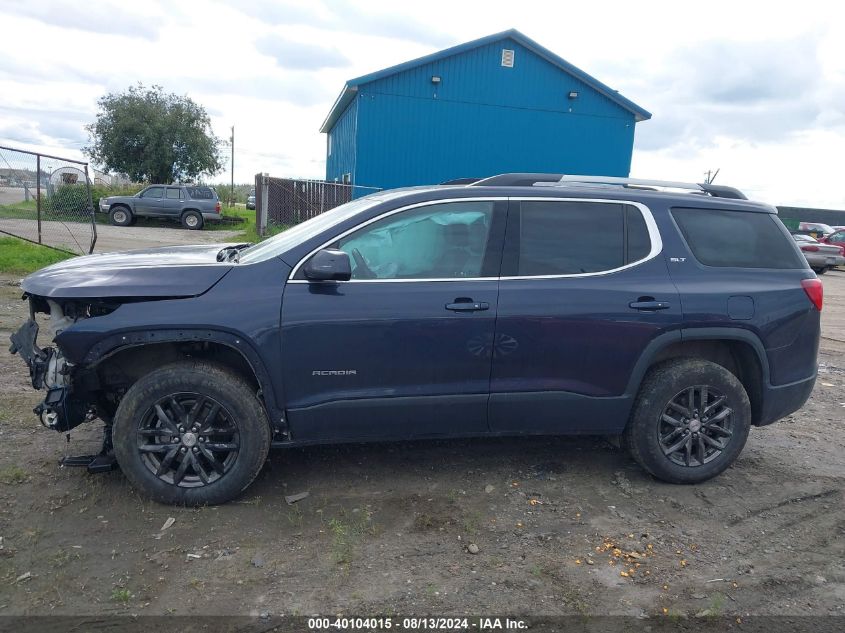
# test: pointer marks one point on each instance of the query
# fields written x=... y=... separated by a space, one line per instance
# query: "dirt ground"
x=386 y=528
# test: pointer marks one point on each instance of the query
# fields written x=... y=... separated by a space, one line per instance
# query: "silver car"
x=821 y=257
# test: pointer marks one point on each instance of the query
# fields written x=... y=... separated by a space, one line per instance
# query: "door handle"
x=463 y=304
x=649 y=306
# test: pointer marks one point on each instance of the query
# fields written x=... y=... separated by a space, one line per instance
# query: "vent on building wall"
x=507 y=58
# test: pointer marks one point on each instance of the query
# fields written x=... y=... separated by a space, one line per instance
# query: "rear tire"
x=191 y=433
x=685 y=442
x=192 y=220
x=121 y=216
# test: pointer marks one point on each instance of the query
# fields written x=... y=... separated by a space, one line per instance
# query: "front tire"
x=191 y=433
x=120 y=216
x=690 y=421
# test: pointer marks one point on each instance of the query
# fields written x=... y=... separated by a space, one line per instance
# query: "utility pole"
x=232 y=190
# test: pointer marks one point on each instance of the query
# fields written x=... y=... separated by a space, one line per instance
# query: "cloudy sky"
x=755 y=89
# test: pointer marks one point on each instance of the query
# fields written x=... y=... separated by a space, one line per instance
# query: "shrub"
x=73 y=199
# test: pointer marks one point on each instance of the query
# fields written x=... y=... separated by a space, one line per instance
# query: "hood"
x=172 y=271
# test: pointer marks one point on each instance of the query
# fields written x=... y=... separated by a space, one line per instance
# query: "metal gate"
x=290 y=201
x=46 y=200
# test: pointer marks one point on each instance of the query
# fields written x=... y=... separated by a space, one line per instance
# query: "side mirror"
x=328 y=264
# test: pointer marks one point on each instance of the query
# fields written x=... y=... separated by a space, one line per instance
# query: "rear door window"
x=174 y=193
x=738 y=239
x=572 y=237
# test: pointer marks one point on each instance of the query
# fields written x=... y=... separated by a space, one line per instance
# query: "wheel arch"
x=738 y=350
x=141 y=351
x=125 y=205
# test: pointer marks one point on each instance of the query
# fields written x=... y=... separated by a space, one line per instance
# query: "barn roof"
x=350 y=89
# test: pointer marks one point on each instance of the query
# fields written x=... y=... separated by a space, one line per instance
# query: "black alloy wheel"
x=188 y=440
x=690 y=420
x=695 y=427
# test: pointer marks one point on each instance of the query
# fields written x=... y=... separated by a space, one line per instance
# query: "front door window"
x=443 y=241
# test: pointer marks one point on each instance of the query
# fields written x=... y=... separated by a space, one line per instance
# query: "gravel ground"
x=393 y=527
x=77 y=237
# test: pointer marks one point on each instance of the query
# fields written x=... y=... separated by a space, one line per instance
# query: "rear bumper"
x=211 y=216
x=821 y=260
x=779 y=401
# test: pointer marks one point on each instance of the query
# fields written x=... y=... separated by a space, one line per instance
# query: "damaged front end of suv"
x=111 y=319
x=73 y=394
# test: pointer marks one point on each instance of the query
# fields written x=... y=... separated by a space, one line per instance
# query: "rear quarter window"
x=200 y=193
x=737 y=239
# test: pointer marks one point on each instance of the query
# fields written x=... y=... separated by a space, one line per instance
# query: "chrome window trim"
x=651 y=225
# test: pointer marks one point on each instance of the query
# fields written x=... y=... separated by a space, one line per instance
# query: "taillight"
x=815 y=291
x=217 y=208
x=810 y=248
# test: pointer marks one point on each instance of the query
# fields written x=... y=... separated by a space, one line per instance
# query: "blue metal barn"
x=501 y=103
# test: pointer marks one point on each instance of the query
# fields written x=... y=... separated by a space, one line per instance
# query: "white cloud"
x=755 y=89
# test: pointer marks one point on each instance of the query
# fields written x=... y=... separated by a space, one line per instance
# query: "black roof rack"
x=529 y=180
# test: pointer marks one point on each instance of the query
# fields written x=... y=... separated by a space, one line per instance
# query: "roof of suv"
x=559 y=185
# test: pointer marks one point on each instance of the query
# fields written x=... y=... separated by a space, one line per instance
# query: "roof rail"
x=460 y=181
x=517 y=180
x=717 y=191
x=528 y=180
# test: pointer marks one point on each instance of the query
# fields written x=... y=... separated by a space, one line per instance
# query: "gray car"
x=821 y=257
x=250 y=200
x=192 y=205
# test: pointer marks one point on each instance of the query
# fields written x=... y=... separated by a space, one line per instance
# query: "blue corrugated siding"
x=341 y=160
x=410 y=141
x=484 y=119
x=477 y=76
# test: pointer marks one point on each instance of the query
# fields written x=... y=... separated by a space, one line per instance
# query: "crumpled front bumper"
x=37 y=359
x=60 y=410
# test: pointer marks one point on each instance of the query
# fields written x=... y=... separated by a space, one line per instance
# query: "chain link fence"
x=46 y=200
x=283 y=202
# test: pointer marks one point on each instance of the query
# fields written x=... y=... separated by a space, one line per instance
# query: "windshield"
x=295 y=235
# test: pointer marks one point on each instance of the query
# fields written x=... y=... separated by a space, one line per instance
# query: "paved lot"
x=13 y=195
x=118 y=238
x=386 y=527
x=76 y=236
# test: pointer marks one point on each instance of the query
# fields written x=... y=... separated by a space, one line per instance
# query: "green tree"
x=153 y=136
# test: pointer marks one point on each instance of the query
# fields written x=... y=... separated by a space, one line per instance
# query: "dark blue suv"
x=520 y=304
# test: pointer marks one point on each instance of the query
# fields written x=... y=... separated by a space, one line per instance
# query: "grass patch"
x=347 y=531
x=13 y=475
x=121 y=595
x=471 y=523
x=248 y=230
x=19 y=257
